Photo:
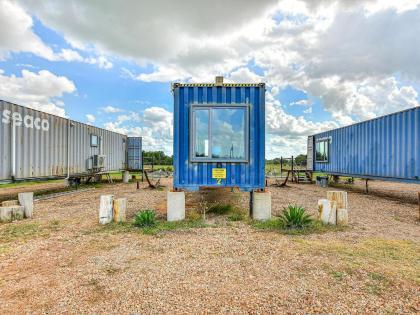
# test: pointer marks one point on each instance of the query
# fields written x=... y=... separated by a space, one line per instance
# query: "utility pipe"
x=13 y=150
x=68 y=149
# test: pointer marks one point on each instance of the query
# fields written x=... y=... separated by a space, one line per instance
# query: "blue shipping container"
x=219 y=136
x=134 y=154
x=386 y=148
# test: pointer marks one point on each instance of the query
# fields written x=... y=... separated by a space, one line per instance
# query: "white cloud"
x=244 y=75
x=359 y=57
x=16 y=33
x=101 y=61
x=69 y=55
x=90 y=118
x=154 y=124
x=111 y=109
x=42 y=90
x=302 y=103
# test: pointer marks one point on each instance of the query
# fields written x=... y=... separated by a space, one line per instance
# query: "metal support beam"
x=251 y=203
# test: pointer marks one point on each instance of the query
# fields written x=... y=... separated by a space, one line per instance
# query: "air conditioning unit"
x=98 y=161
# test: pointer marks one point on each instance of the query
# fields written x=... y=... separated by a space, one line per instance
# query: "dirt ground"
x=62 y=261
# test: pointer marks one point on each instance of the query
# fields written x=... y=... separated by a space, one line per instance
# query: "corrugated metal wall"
x=246 y=176
x=42 y=152
x=387 y=147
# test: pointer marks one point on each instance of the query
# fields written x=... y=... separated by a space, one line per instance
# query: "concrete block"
x=6 y=214
x=9 y=203
x=342 y=217
x=327 y=211
x=261 y=207
x=119 y=208
x=175 y=205
x=340 y=197
x=27 y=200
x=126 y=177
x=105 y=209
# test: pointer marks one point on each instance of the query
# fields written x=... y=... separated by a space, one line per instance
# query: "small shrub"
x=145 y=218
x=221 y=208
x=294 y=217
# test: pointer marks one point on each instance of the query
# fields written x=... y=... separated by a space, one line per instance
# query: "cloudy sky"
x=110 y=63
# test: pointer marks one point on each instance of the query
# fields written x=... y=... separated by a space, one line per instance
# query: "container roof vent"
x=219 y=81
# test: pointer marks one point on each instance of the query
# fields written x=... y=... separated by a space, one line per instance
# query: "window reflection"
x=228 y=133
x=202 y=133
x=321 y=151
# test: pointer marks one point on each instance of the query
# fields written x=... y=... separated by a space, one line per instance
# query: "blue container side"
x=386 y=148
x=193 y=175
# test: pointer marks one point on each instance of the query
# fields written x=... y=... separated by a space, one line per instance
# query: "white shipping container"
x=34 y=144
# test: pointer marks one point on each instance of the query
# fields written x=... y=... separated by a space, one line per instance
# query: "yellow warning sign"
x=218 y=173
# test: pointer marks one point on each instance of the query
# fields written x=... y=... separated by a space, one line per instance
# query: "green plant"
x=145 y=218
x=237 y=216
x=294 y=217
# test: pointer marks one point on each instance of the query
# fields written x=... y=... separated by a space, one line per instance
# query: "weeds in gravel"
x=22 y=231
x=338 y=275
x=145 y=219
x=392 y=257
x=376 y=284
x=162 y=226
x=277 y=224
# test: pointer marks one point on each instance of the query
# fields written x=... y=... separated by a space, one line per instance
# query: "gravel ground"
x=62 y=262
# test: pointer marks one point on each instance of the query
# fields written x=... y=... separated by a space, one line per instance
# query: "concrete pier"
x=175 y=205
x=105 y=209
x=119 y=209
x=126 y=177
x=261 y=207
x=26 y=200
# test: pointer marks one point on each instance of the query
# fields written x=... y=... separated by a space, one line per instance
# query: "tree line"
x=160 y=158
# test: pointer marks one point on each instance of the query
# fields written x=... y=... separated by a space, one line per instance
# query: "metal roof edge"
x=65 y=118
x=365 y=121
x=178 y=84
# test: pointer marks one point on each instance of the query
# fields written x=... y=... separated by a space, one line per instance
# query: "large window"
x=322 y=150
x=219 y=133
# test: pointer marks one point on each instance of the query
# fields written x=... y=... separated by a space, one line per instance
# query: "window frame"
x=192 y=123
x=325 y=141
x=92 y=135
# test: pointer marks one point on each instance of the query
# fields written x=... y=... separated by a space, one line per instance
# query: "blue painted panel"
x=387 y=147
x=247 y=176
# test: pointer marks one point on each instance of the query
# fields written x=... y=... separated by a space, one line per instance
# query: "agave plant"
x=145 y=218
x=294 y=217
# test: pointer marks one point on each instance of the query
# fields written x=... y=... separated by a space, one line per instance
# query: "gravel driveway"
x=61 y=261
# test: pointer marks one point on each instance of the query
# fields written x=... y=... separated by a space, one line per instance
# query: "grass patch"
x=162 y=226
x=392 y=257
x=159 y=226
x=314 y=227
x=22 y=231
x=338 y=275
x=236 y=216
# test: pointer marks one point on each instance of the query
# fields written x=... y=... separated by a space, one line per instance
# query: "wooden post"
x=419 y=204
x=281 y=165
x=367 y=185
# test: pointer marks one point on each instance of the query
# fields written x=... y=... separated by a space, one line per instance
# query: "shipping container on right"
x=386 y=148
